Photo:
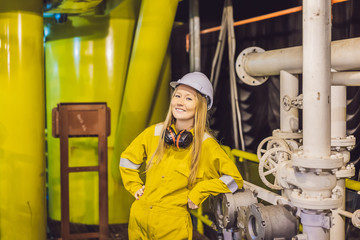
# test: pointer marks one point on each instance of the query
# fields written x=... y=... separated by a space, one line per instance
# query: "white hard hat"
x=199 y=82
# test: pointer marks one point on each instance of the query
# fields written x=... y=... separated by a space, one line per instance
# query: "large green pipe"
x=22 y=121
x=86 y=61
x=150 y=45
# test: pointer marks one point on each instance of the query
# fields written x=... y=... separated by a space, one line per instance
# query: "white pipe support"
x=337 y=231
x=338 y=112
x=345 y=213
x=316 y=225
x=289 y=89
x=344 y=56
x=346 y=78
x=316 y=77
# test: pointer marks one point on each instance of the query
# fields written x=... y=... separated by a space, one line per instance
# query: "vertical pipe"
x=316 y=77
x=289 y=86
x=338 y=130
x=22 y=121
x=316 y=91
x=195 y=46
x=338 y=112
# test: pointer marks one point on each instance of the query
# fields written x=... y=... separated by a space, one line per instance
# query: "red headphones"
x=181 y=140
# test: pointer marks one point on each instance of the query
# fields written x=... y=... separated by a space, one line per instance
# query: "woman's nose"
x=180 y=101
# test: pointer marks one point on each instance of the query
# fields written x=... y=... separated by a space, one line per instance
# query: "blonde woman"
x=184 y=165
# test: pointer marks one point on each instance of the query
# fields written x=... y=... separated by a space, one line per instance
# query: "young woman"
x=184 y=165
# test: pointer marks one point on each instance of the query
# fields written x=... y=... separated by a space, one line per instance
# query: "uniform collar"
x=173 y=127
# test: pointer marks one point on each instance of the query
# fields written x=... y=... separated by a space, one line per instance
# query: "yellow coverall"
x=162 y=213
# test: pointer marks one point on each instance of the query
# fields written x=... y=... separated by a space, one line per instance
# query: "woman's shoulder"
x=154 y=129
x=209 y=140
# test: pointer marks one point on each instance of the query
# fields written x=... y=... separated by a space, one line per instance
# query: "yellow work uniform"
x=162 y=213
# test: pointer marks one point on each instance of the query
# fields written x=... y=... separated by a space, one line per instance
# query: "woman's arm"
x=220 y=174
x=132 y=159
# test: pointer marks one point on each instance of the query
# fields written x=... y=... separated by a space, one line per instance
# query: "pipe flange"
x=241 y=71
x=346 y=172
x=334 y=161
x=348 y=142
x=318 y=203
x=287 y=135
x=228 y=206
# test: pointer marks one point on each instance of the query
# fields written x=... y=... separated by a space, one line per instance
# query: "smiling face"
x=183 y=107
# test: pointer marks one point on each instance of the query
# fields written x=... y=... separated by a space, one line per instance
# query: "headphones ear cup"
x=184 y=139
x=170 y=136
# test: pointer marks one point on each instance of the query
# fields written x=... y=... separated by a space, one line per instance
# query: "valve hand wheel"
x=269 y=165
x=269 y=143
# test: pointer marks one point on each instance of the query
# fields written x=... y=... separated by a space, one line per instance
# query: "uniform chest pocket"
x=178 y=178
x=183 y=170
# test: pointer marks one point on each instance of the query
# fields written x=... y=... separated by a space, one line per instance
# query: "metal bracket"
x=288 y=102
x=316 y=220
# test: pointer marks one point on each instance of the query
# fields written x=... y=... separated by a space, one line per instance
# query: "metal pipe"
x=22 y=141
x=346 y=213
x=235 y=109
x=289 y=87
x=204 y=218
x=352 y=184
x=316 y=77
x=338 y=131
x=346 y=79
x=337 y=231
x=344 y=56
x=245 y=155
x=338 y=112
x=194 y=25
x=316 y=103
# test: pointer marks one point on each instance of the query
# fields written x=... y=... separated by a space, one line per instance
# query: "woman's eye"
x=177 y=95
x=189 y=99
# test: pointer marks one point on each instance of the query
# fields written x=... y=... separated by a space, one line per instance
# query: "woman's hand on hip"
x=192 y=205
x=139 y=192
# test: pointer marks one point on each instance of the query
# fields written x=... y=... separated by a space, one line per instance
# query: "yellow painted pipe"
x=245 y=155
x=22 y=121
x=86 y=61
x=153 y=31
x=204 y=218
x=352 y=184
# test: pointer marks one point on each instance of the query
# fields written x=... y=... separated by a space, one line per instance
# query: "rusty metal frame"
x=83 y=120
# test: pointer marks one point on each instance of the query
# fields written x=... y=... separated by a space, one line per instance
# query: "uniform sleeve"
x=222 y=176
x=132 y=159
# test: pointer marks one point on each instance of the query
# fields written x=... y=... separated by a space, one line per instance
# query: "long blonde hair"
x=200 y=127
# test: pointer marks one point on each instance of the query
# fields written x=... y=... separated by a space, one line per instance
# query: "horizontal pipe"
x=352 y=184
x=344 y=56
x=203 y=218
x=344 y=213
x=245 y=155
x=346 y=79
